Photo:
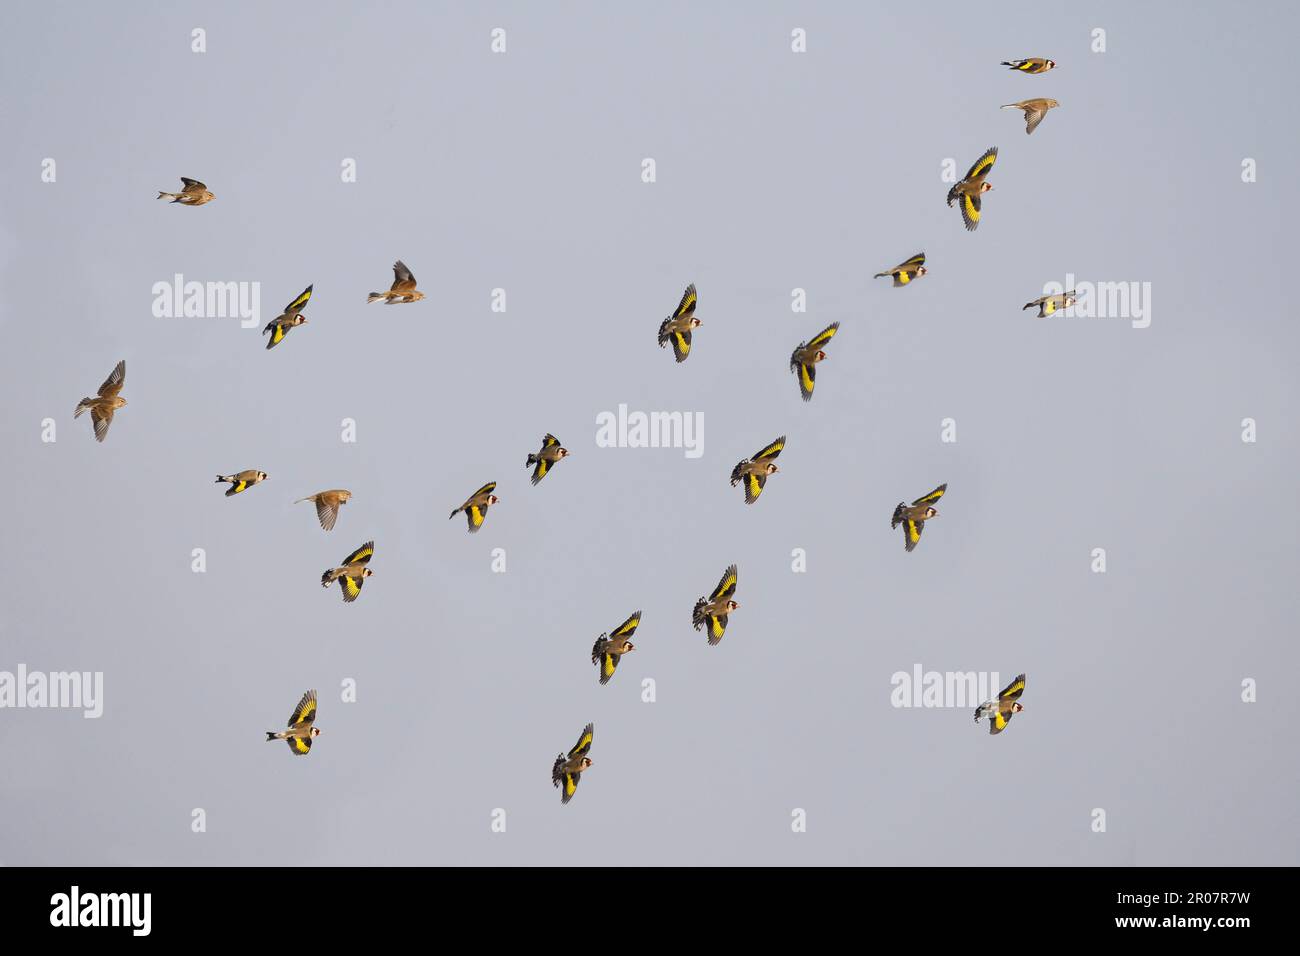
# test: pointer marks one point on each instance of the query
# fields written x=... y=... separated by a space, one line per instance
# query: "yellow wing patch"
x=807 y=380
x=970 y=208
x=584 y=742
x=278 y=333
x=477 y=516
x=305 y=712
x=717 y=627
x=772 y=450
x=299 y=745
x=628 y=627
x=351 y=587
x=687 y=305
x=297 y=304
x=608 y=664
x=362 y=555
x=682 y=345
x=753 y=487
x=903 y=277
x=727 y=586
x=933 y=496
x=570 y=784
x=1014 y=689
x=824 y=336
x=913 y=531
x=984 y=163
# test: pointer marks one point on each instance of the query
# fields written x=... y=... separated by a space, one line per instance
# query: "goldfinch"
x=567 y=771
x=327 y=505
x=1051 y=304
x=610 y=648
x=242 y=481
x=677 y=327
x=302 y=729
x=403 y=288
x=1035 y=110
x=476 y=507
x=905 y=272
x=194 y=194
x=914 y=517
x=755 y=471
x=999 y=712
x=108 y=401
x=804 y=359
x=291 y=318
x=712 y=612
x=1033 y=65
x=551 y=452
x=972 y=187
x=352 y=573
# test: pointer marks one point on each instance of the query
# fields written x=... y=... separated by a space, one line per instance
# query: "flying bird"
x=804 y=359
x=194 y=193
x=609 y=648
x=1051 y=304
x=754 y=471
x=403 y=288
x=1033 y=65
x=972 y=187
x=302 y=729
x=291 y=318
x=476 y=507
x=713 y=610
x=352 y=573
x=1035 y=110
x=905 y=272
x=242 y=481
x=914 y=517
x=677 y=327
x=548 y=455
x=327 y=505
x=103 y=406
x=567 y=771
x=999 y=712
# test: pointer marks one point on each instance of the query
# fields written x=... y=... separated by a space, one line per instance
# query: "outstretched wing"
x=726 y=586
x=911 y=533
x=681 y=344
x=628 y=627
x=402 y=276
x=487 y=489
x=299 y=745
x=754 y=485
x=362 y=555
x=687 y=305
x=983 y=164
x=824 y=336
x=933 y=496
x=305 y=712
x=113 y=384
x=717 y=624
x=581 y=748
x=771 y=451
x=298 y=304
x=1014 y=689
x=350 y=586
x=970 y=209
x=192 y=185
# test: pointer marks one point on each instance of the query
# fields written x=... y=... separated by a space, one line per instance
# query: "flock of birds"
x=711 y=613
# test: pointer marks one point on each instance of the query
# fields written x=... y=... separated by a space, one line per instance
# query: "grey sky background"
x=775 y=171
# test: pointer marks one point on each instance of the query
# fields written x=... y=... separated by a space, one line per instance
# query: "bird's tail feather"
x=271 y=735
x=84 y=404
x=454 y=513
x=532 y=459
x=376 y=296
x=221 y=478
x=327 y=578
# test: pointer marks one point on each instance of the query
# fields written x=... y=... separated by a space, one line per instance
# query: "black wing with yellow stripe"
x=717 y=626
x=628 y=627
x=687 y=305
x=299 y=745
x=770 y=451
x=911 y=533
x=726 y=585
x=583 y=746
x=305 y=712
x=608 y=663
x=300 y=303
x=362 y=555
x=983 y=164
x=933 y=496
x=970 y=210
x=351 y=587
x=278 y=331
x=1014 y=689
x=681 y=344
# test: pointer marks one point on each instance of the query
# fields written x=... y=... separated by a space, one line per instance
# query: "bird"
x=567 y=771
x=194 y=193
x=714 y=609
x=999 y=712
x=108 y=401
x=677 y=327
x=302 y=729
x=972 y=187
x=1033 y=65
x=291 y=318
x=1051 y=304
x=242 y=481
x=804 y=359
x=905 y=272
x=609 y=648
x=476 y=506
x=914 y=517
x=550 y=452
x=352 y=573
x=403 y=288
x=327 y=505
x=1035 y=110
x=754 y=471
